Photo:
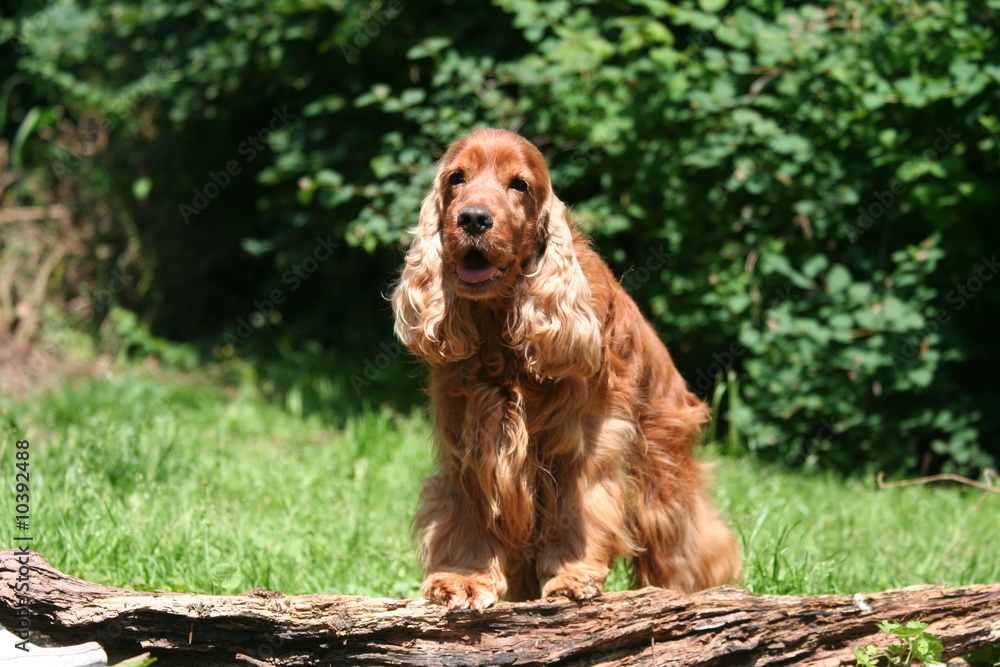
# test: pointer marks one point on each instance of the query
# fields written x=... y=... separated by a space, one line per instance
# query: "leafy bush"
x=793 y=192
x=917 y=644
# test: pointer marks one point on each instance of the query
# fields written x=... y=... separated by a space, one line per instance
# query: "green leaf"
x=326 y=104
x=712 y=5
x=141 y=188
x=257 y=247
x=911 y=629
x=928 y=648
x=227 y=576
x=428 y=47
x=841 y=322
x=872 y=101
x=920 y=377
x=913 y=169
x=912 y=91
x=328 y=178
x=412 y=96
x=838 y=278
x=866 y=657
x=814 y=265
x=888 y=626
x=791 y=144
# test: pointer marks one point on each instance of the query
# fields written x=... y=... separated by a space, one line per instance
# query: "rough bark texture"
x=722 y=626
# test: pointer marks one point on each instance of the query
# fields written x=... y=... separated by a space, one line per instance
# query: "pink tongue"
x=477 y=275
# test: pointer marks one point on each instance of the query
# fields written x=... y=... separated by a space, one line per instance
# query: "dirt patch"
x=27 y=369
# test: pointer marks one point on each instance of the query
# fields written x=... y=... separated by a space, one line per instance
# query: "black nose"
x=475 y=220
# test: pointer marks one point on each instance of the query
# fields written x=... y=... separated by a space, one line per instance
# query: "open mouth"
x=475 y=268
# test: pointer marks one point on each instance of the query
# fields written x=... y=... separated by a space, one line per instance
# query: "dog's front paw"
x=574 y=587
x=458 y=591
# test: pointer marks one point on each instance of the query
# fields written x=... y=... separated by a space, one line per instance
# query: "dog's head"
x=491 y=230
x=493 y=188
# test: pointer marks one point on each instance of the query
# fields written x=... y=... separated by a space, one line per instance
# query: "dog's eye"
x=519 y=185
x=456 y=179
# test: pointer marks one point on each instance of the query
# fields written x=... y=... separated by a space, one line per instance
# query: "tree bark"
x=723 y=626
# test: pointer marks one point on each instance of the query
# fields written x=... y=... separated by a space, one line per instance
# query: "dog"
x=564 y=432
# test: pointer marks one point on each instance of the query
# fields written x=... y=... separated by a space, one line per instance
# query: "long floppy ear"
x=430 y=320
x=552 y=322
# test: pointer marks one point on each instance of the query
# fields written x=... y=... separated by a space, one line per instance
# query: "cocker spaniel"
x=564 y=431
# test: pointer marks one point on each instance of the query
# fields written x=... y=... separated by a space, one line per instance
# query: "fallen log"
x=723 y=626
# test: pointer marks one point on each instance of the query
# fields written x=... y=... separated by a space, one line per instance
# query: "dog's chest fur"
x=496 y=404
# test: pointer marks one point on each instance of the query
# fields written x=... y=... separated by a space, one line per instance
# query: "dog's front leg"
x=463 y=564
x=587 y=530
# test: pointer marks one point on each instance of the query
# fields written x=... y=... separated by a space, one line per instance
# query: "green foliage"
x=167 y=482
x=793 y=192
x=985 y=657
x=916 y=645
x=130 y=338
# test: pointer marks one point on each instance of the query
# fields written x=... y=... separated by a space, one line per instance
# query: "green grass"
x=145 y=483
x=163 y=483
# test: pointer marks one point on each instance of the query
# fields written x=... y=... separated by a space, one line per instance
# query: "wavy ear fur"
x=430 y=320
x=552 y=322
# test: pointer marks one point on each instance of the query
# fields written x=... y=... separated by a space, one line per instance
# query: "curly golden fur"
x=564 y=432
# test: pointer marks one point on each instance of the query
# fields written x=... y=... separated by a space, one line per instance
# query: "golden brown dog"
x=564 y=431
